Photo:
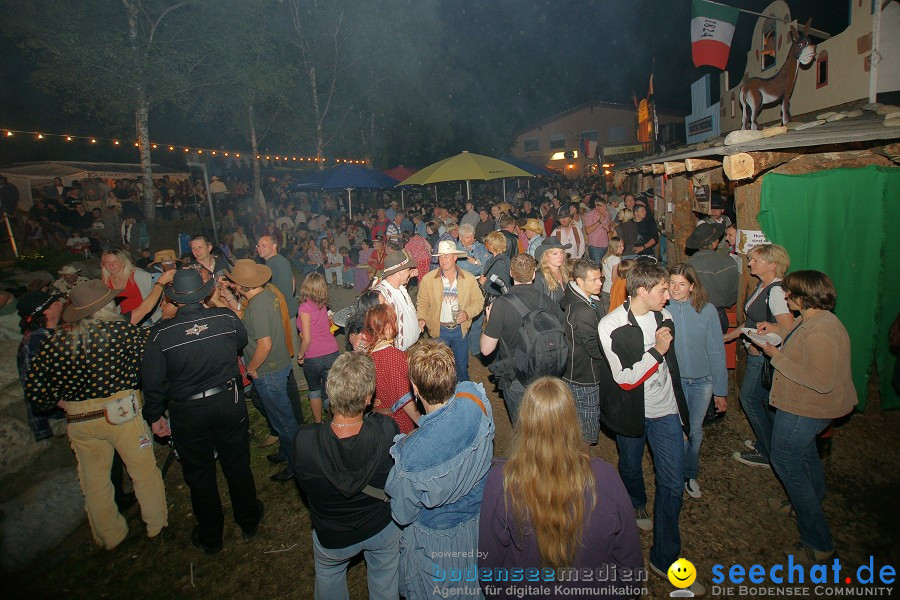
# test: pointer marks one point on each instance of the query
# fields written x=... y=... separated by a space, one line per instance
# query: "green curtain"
x=839 y=222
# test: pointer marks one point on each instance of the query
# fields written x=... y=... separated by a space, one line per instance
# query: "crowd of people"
x=559 y=290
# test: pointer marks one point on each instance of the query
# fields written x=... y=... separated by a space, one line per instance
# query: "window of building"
x=589 y=136
x=533 y=145
x=767 y=45
x=822 y=69
x=557 y=142
x=616 y=135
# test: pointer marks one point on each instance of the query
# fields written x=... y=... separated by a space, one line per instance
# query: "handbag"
x=122 y=410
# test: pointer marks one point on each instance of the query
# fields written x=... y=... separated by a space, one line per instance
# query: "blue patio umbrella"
x=347 y=177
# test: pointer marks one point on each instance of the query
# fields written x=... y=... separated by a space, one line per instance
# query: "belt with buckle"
x=450 y=326
x=228 y=385
x=88 y=416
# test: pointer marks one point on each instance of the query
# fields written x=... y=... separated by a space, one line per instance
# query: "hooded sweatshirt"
x=333 y=472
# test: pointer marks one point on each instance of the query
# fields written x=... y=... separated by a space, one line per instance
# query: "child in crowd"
x=318 y=348
x=617 y=292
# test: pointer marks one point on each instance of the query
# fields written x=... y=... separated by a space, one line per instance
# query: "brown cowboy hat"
x=397 y=261
x=162 y=256
x=87 y=298
x=248 y=273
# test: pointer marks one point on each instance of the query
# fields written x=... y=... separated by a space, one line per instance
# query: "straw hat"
x=69 y=270
x=535 y=226
x=248 y=273
x=449 y=247
x=87 y=298
x=162 y=256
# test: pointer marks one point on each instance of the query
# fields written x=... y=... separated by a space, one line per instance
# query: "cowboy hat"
x=705 y=234
x=162 y=256
x=69 y=270
x=447 y=247
x=397 y=261
x=535 y=226
x=87 y=298
x=188 y=287
x=248 y=273
x=548 y=244
x=35 y=302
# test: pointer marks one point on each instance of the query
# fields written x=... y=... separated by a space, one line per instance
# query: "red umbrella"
x=400 y=173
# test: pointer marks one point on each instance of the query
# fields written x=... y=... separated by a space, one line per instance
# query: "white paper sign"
x=748 y=238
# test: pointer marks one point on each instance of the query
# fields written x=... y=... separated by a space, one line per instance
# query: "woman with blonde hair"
x=550 y=505
x=552 y=274
x=627 y=230
x=768 y=263
x=318 y=348
x=118 y=273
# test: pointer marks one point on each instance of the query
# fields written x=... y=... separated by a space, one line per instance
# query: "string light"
x=115 y=142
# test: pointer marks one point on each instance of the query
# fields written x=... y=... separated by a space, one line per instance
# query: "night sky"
x=473 y=72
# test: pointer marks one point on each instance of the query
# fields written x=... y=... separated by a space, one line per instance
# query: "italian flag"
x=712 y=27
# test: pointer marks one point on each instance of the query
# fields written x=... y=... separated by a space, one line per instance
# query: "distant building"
x=570 y=141
x=842 y=73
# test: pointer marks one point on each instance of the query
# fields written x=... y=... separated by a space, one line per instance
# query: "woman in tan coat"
x=812 y=385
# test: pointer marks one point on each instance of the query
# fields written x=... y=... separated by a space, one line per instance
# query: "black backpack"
x=543 y=350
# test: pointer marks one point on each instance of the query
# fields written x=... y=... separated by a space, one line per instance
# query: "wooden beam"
x=646 y=168
x=891 y=151
x=747 y=165
x=810 y=163
x=673 y=168
x=698 y=164
x=658 y=168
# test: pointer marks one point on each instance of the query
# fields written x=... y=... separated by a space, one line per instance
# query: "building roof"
x=590 y=103
x=864 y=128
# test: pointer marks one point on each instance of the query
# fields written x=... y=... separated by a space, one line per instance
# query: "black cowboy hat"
x=705 y=234
x=188 y=287
x=547 y=244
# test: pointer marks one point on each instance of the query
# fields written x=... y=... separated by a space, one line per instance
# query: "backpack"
x=543 y=350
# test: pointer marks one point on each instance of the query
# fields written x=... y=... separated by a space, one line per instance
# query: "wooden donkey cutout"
x=757 y=91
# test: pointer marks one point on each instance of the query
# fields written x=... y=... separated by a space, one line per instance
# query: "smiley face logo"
x=682 y=573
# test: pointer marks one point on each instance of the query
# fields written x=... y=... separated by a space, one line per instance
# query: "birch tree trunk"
x=258 y=195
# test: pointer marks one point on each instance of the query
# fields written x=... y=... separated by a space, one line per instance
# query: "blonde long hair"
x=549 y=277
x=83 y=332
x=548 y=477
x=127 y=265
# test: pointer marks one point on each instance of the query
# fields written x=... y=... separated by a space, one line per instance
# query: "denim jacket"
x=440 y=468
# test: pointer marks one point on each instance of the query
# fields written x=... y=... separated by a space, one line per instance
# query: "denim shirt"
x=440 y=469
x=698 y=344
x=480 y=252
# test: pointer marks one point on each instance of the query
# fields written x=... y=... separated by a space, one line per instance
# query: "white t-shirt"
x=659 y=396
x=609 y=263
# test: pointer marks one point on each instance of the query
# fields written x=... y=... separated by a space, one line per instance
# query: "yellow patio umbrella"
x=465 y=166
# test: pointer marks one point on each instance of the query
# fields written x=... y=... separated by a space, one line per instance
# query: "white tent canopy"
x=35 y=175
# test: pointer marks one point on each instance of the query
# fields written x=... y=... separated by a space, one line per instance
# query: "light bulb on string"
x=40 y=136
x=68 y=138
x=171 y=148
x=94 y=141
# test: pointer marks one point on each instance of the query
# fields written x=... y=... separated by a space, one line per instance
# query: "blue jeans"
x=795 y=460
x=272 y=390
x=755 y=402
x=698 y=393
x=474 y=335
x=666 y=442
x=315 y=370
x=513 y=392
x=595 y=253
x=460 y=347
x=382 y=552
x=587 y=403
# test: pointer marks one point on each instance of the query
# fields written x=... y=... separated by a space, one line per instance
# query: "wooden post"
x=746 y=199
x=679 y=190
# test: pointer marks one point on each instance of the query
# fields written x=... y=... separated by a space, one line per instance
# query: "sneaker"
x=692 y=488
x=644 y=522
x=805 y=555
x=698 y=589
x=781 y=507
x=752 y=458
x=750 y=444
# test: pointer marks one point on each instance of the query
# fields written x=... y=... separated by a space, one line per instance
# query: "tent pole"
x=504 y=189
x=402 y=200
x=468 y=190
x=435 y=193
x=350 y=202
